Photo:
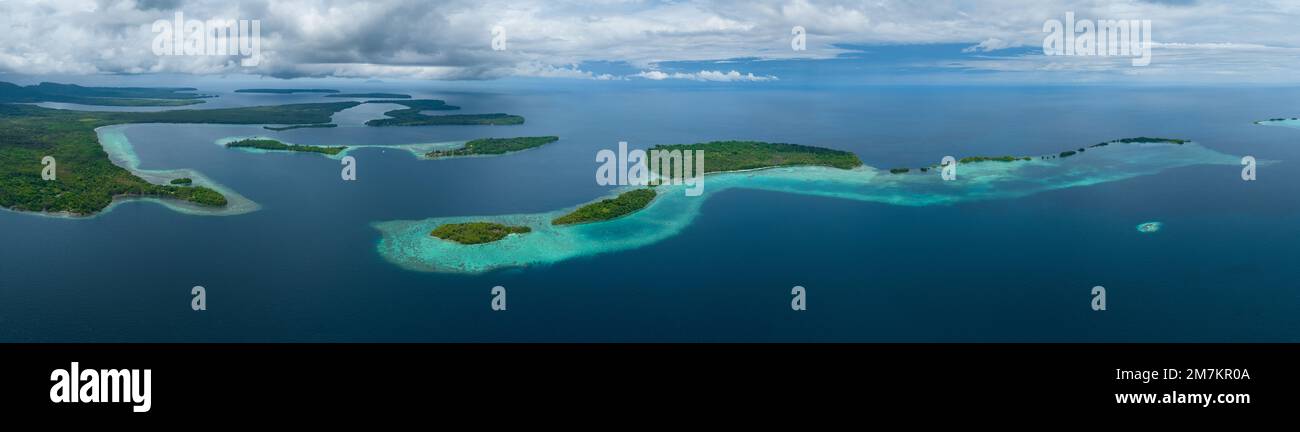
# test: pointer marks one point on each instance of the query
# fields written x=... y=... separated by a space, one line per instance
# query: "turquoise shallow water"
x=408 y=243
x=122 y=153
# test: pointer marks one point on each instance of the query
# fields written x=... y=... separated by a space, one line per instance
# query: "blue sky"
x=743 y=42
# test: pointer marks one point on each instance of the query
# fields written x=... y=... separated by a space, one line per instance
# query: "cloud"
x=452 y=39
x=990 y=44
x=706 y=75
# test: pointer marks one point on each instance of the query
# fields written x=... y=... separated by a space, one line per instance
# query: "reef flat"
x=407 y=243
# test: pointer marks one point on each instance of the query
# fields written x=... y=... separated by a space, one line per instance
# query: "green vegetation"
x=1152 y=140
x=86 y=180
x=975 y=159
x=285 y=91
x=412 y=115
x=183 y=181
x=745 y=155
x=1067 y=153
x=476 y=232
x=101 y=96
x=285 y=128
x=494 y=146
x=270 y=144
x=371 y=95
x=610 y=208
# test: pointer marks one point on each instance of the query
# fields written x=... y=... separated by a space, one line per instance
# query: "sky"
x=740 y=42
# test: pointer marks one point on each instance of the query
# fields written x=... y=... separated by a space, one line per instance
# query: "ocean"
x=306 y=265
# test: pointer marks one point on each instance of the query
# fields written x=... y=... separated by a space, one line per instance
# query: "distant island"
x=87 y=181
x=100 y=96
x=284 y=91
x=1260 y=122
x=624 y=204
x=306 y=126
x=1063 y=154
x=412 y=115
x=494 y=146
x=371 y=95
x=476 y=232
x=270 y=144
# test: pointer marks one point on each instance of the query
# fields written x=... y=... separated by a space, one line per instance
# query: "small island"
x=476 y=232
x=611 y=208
x=305 y=126
x=1149 y=227
x=284 y=91
x=494 y=146
x=413 y=115
x=270 y=144
x=183 y=181
x=371 y=95
x=977 y=159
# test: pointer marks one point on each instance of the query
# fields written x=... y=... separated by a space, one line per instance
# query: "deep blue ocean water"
x=304 y=267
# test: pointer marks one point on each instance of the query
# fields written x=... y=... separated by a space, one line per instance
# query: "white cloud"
x=706 y=75
x=451 y=39
x=990 y=44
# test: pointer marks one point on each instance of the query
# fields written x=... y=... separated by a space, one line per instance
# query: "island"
x=721 y=156
x=275 y=145
x=1143 y=140
x=99 y=96
x=978 y=159
x=371 y=95
x=624 y=204
x=476 y=232
x=1063 y=154
x=494 y=146
x=292 y=127
x=1149 y=227
x=87 y=181
x=284 y=91
x=185 y=181
x=413 y=115
x=1279 y=119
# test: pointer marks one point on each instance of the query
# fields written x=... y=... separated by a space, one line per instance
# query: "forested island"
x=371 y=95
x=183 y=181
x=412 y=115
x=494 y=146
x=100 y=96
x=606 y=209
x=86 y=180
x=292 y=127
x=476 y=232
x=1061 y=155
x=722 y=156
x=270 y=144
x=284 y=91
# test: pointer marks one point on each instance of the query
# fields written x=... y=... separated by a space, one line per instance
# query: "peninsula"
x=86 y=180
